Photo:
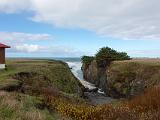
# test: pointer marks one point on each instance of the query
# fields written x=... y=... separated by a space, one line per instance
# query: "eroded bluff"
x=123 y=79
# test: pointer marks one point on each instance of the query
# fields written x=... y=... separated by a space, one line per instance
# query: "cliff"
x=123 y=78
x=27 y=86
x=94 y=74
x=33 y=75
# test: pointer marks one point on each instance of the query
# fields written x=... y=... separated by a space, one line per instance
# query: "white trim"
x=2 y=66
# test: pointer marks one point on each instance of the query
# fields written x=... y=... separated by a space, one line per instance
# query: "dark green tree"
x=105 y=55
x=87 y=60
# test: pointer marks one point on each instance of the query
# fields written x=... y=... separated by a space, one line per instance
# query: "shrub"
x=87 y=60
x=144 y=107
x=105 y=55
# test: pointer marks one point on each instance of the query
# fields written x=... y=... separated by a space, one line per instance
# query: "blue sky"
x=44 y=31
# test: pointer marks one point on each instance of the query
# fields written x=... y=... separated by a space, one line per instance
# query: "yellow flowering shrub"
x=139 y=108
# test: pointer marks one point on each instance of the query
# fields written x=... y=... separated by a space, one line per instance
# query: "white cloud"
x=125 y=19
x=64 y=51
x=16 y=37
x=59 y=51
x=22 y=43
x=28 y=48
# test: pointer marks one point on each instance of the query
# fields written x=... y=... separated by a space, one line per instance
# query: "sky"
x=73 y=28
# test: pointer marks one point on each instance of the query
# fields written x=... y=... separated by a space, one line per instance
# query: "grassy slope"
x=143 y=107
x=133 y=76
x=15 y=105
x=57 y=72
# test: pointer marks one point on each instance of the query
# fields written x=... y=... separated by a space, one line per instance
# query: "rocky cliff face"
x=96 y=75
x=123 y=78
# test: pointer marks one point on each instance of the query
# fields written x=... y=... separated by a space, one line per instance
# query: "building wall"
x=2 y=56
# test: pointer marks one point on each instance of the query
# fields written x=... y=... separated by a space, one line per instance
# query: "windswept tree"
x=87 y=60
x=105 y=55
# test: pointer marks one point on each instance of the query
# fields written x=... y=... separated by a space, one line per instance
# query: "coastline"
x=92 y=94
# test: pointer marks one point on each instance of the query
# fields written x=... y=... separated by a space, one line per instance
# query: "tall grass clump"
x=148 y=101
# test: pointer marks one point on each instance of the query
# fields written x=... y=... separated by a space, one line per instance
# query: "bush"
x=105 y=55
x=87 y=60
x=144 y=107
x=122 y=56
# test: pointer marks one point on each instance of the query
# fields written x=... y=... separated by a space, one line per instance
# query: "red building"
x=2 y=55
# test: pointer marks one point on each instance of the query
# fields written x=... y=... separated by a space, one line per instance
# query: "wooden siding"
x=2 y=55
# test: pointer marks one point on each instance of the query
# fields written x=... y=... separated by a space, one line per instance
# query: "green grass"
x=36 y=76
x=57 y=72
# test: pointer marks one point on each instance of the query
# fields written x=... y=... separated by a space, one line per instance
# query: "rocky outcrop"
x=123 y=78
x=95 y=75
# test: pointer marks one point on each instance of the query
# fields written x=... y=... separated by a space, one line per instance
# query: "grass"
x=147 y=101
x=16 y=106
x=143 y=107
x=33 y=77
x=56 y=98
x=131 y=77
x=58 y=73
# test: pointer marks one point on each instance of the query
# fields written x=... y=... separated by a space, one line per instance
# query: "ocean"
x=75 y=64
x=96 y=97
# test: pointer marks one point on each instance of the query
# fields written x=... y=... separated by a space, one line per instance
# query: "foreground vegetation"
x=143 y=107
x=47 y=90
x=17 y=106
x=23 y=83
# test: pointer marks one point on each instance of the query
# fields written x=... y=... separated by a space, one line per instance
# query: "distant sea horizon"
x=65 y=59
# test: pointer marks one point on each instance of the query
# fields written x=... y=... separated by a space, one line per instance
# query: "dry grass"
x=129 y=78
x=147 y=101
x=149 y=61
x=34 y=115
x=16 y=106
x=143 y=107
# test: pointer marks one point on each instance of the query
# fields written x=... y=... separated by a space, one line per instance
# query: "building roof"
x=4 y=46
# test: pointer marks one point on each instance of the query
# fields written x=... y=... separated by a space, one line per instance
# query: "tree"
x=87 y=60
x=105 y=55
